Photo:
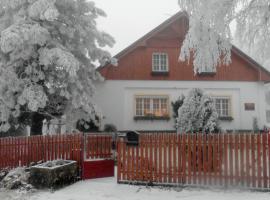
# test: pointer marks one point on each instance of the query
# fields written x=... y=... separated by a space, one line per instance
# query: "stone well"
x=53 y=174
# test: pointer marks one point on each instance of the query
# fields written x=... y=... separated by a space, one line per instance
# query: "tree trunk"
x=37 y=122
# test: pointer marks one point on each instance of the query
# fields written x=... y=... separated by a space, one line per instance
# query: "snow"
x=107 y=188
x=16 y=178
x=54 y=164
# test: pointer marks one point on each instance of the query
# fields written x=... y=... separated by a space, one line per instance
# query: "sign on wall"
x=249 y=106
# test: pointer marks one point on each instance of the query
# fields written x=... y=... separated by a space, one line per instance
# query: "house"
x=137 y=94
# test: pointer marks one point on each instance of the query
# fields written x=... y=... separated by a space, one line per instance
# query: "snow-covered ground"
x=107 y=188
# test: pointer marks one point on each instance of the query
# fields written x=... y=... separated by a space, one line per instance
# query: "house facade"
x=137 y=94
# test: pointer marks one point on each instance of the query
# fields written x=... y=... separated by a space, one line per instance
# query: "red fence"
x=197 y=159
x=21 y=151
x=98 y=146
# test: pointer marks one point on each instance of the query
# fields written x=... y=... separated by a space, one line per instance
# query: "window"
x=160 y=62
x=223 y=107
x=151 y=106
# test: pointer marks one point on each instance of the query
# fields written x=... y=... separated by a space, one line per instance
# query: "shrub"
x=255 y=125
x=198 y=113
x=175 y=106
x=110 y=128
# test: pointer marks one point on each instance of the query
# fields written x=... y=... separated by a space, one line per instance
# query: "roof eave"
x=251 y=61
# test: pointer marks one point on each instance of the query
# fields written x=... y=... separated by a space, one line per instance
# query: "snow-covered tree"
x=175 y=107
x=208 y=41
x=197 y=114
x=209 y=115
x=49 y=48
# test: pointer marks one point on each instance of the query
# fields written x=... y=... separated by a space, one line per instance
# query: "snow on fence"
x=22 y=151
x=197 y=159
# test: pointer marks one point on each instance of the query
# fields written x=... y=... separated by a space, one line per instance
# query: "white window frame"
x=159 y=54
x=151 y=111
x=229 y=106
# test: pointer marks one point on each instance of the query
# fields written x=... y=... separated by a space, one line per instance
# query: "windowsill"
x=225 y=118
x=157 y=73
x=207 y=74
x=151 y=118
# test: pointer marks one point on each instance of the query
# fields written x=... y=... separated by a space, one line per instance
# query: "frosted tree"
x=208 y=41
x=253 y=30
x=197 y=114
x=49 y=48
x=209 y=115
x=189 y=114
x=175 y=107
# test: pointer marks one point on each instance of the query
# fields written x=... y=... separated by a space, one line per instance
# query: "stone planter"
x=53 y=174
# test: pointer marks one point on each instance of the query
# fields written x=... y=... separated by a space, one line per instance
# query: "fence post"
x=119 y=156
x=259 y=160
x=269 y=157
x=264 y=160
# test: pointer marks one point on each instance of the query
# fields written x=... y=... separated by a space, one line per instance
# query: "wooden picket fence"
x=22 y=151
x=226 y=160
x=98 y=146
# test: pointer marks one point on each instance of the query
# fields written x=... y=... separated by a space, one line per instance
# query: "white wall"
x=267 y=100
x=116 y=99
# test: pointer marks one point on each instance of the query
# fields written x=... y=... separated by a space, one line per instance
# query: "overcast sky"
x=128 y=20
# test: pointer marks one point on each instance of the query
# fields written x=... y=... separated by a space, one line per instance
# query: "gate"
x=93 y=152
x=98 y=156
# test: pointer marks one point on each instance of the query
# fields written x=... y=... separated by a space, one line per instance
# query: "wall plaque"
x=249 y=106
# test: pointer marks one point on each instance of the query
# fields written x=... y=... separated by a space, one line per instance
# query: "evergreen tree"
x=197 y=114
x=209 y=115
x=49 y=48
x=175 y=106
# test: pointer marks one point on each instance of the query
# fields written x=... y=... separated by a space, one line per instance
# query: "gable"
x=135 y=62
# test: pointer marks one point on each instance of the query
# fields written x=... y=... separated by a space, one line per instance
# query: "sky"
x=128 y=20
